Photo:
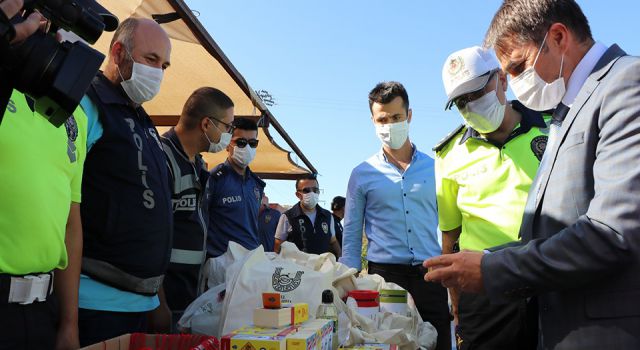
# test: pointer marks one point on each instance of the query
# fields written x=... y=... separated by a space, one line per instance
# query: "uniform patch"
x=72 y=134
x=325 y=228
x=256 y=192
x=267 y=218
x=538 y=145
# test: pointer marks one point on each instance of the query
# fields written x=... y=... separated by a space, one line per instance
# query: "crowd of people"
x=105 y=224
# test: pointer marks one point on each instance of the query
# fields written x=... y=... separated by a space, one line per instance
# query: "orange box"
x=271 y=300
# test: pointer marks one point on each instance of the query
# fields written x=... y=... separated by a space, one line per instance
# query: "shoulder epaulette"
x=218 y=171
x=440 y=145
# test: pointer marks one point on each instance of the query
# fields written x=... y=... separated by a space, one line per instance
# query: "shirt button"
x=403 y=177
x=404 y=194
x=409 y=230
x=407 y=212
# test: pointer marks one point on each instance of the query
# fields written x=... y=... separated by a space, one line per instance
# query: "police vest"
x=313 y=238
x=190 y=230
x=126 y=202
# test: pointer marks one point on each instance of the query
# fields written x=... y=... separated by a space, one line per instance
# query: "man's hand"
x=461 y=271
x=26 y=28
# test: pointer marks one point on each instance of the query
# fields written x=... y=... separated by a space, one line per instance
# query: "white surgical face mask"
x=225 y=139
x=243 y=156
x=310 y=200
x=144 y=83
x=533 y=91
x=393 y=135
x=485 y=115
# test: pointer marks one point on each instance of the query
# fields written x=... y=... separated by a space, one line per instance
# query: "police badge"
x=538 y=145
x=267 y=219
x=325 y=228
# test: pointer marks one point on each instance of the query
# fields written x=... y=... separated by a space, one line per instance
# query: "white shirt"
x=582 y=72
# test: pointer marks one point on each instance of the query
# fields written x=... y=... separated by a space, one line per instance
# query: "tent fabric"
x=197 y=61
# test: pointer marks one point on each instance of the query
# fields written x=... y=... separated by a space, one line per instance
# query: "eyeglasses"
x=229 y=128
x=242 y=142
x=309 y=190
x=463 y=100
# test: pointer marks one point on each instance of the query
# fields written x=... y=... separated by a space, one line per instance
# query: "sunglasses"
x=242 y=142
x=309 y=190
x=228 y=127
x=462 y=101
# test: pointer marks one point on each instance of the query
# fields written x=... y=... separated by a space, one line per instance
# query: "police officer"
x=337 y=209
x=204 y=126
x=41 y=233
x=236 y=193
x=127 y=216
x=483 y=173
x=309 y=226
x=267 y=223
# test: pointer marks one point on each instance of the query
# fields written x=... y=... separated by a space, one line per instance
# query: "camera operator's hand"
x=26 y=28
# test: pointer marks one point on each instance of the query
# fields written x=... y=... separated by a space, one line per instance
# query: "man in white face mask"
x=392 y=194
x=126 y=207
x=580 y=253
x=235 y=193
x=205 y=125
x=309 y=226
x=484 y=169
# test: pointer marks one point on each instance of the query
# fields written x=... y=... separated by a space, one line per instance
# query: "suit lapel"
x=601 y=69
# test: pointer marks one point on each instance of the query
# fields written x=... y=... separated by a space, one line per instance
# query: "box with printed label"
x=276 y=318
x=312 y=335
x=256 y=338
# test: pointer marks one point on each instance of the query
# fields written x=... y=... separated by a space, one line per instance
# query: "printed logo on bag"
x=325 y=228
x=283 y=282
x=538 y=145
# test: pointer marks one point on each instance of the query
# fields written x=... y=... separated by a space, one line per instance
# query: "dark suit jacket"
x=581 y=251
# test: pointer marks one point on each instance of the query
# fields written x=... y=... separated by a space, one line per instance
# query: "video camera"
x=55 y=74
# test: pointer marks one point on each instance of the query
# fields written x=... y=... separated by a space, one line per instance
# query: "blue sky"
x=319 y=59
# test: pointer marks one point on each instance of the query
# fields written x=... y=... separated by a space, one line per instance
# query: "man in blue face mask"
x=580 y=253
x=127 y=219
x=484 y=169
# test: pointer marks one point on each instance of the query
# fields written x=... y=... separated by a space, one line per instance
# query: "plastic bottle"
x=328 y=311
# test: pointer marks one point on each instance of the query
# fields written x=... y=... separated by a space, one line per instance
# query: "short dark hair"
x=386 y=92
x=338 y=203
x=204 y=102
x=245 y=124
x=524 y=21
x=306 y=177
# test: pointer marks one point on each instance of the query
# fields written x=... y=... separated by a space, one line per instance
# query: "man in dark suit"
x=580 y=256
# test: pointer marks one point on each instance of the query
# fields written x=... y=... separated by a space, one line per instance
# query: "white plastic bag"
x=203 y=315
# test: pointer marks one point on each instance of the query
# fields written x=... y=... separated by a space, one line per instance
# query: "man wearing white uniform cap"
x=484 y=170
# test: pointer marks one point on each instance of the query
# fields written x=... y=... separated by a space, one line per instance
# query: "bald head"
x=141 y=40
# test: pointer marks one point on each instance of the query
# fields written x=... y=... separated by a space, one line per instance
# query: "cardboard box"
x=277 y=318
x=312 y=335
x=256 y=338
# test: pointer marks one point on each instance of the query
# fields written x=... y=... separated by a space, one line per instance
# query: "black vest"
x=126 y=202
x=189 y=182
x=313 y=238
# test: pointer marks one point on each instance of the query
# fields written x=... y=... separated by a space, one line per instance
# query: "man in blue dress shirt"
x=392 y=194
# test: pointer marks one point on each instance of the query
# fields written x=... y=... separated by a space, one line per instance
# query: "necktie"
x=534 y=193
